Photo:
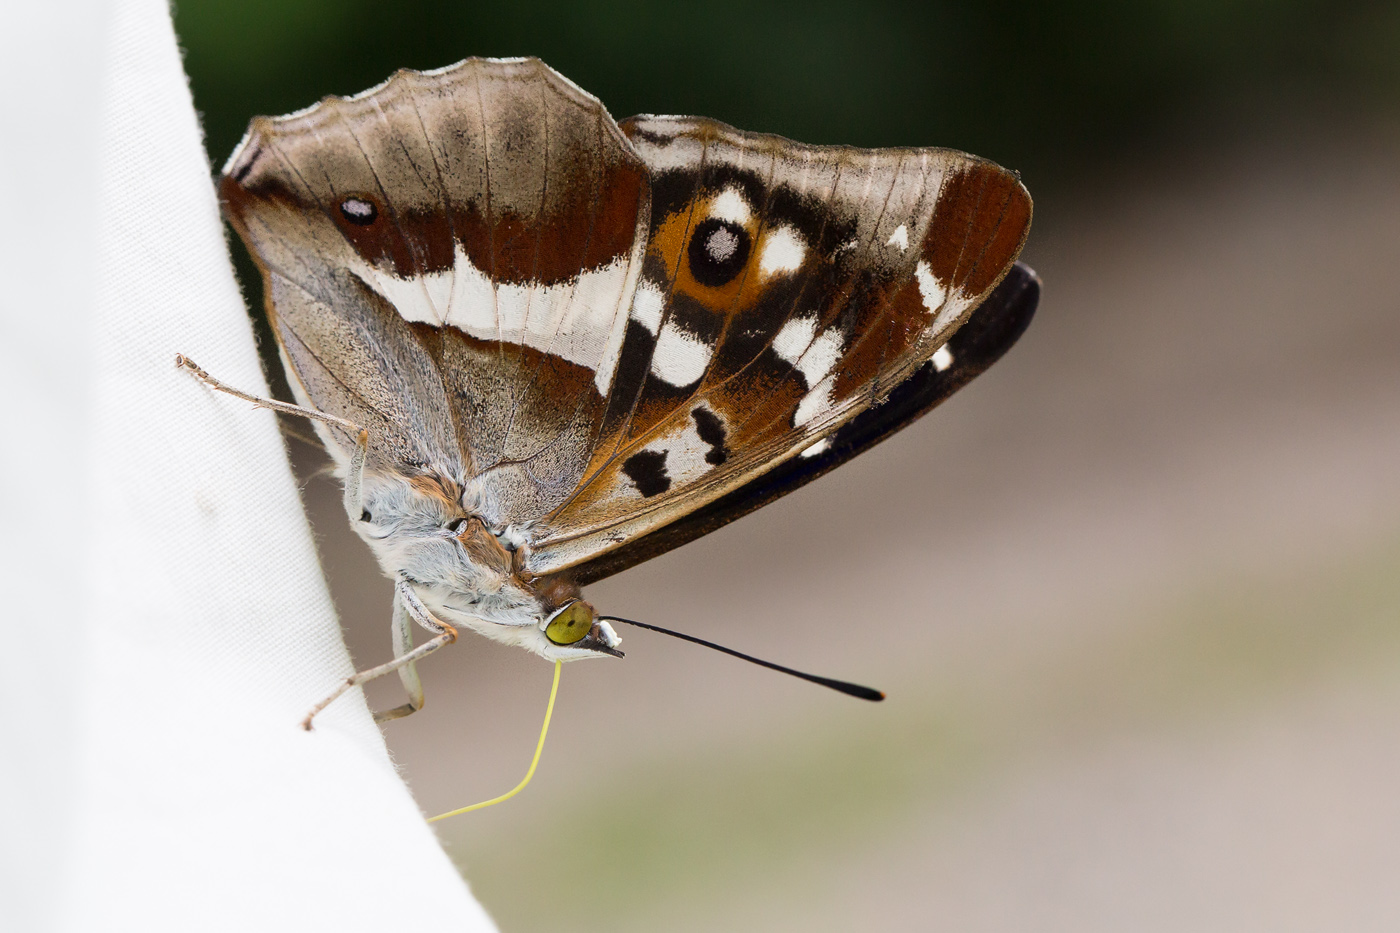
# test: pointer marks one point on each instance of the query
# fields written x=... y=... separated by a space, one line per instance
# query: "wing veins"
x=625 y=424
x=844 y=297
x=588 y=241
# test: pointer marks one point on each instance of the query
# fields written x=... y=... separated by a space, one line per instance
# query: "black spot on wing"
x=711 y=431
x=647 y=469
x=634 y=360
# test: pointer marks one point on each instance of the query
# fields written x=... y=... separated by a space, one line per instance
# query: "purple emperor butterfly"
x=542 y=346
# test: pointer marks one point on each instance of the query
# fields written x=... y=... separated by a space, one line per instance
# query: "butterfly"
x=542 y=346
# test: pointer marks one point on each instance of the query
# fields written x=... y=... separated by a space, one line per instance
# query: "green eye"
x=572 y=623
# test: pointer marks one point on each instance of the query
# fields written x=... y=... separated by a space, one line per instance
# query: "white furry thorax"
x=411 y=533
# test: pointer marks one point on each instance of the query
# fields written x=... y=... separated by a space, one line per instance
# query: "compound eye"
x=571 y=624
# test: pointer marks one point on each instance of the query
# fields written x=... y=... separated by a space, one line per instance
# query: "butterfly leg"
x=353 y=476
x=443 y=634
x=403 y=644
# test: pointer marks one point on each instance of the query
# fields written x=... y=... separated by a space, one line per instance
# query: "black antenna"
x=855 y=690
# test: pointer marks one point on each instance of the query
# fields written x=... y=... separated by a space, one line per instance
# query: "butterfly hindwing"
x=786 y=288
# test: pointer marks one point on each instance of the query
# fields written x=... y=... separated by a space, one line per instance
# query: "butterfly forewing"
x=452 y=254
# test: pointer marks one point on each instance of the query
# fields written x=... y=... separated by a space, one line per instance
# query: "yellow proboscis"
x=544 y=730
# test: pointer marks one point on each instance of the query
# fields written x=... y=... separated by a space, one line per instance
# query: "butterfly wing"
x=785 y=289
x=990 y=331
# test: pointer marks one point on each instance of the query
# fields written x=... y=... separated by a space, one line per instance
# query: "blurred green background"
x=1053 y=89
x=1134 y=593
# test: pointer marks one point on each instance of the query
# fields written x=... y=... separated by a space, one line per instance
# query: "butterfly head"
x=570 y=632
x=575 y=631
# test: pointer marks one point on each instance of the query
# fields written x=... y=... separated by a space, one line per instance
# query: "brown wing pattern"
x=595 y=330
x=786 y=288
x=449 y=259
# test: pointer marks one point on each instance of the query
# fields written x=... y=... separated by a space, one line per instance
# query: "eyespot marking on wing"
x=717 y=252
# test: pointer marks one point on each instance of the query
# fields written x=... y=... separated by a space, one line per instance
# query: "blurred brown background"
x=1134 y=594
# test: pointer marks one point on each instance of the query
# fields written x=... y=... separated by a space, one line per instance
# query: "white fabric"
x=166 y=622
x=47 y=239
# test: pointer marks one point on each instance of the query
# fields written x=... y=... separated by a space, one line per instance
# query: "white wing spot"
x=438 y=285
x=685 y=452
x=731 y=206
x=821 y=356
x=899 y=238
x=814 y=403
x=647 y=305
x=783 y=252
x=942 y=358
x=933 y=294
x=820 y=447
x=812 y=358
x=795 y=337
x=679 y=358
